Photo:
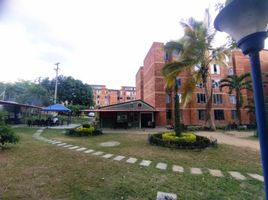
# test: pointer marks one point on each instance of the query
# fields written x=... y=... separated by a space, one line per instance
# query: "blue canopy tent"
x=56 y=108
x=60 y=109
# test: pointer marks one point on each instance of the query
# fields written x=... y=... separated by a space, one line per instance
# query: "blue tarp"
x=56 y=108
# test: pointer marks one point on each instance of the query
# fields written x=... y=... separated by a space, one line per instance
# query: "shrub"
x=189 y=143
x=7 y=135
x=185 y=137
x=80 y=132
x=86 y=125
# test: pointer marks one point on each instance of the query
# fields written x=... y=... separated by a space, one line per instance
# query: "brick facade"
x=139 y=84
x=150 y=86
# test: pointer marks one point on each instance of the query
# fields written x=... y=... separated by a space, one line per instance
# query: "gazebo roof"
x=56 y=108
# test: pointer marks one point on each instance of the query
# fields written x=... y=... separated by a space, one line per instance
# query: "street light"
x=246 y=21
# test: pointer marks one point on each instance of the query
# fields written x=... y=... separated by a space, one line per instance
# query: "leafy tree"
x=41 y=92
x=7 y=135
x=70 y=91
x=237 y=83
x=196 y=54
x=26 y=92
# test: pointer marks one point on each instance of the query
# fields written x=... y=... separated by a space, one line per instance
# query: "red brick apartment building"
x=104 y=96
x=150 y=87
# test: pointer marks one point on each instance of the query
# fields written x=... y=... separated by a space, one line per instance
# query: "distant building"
x=104 y=97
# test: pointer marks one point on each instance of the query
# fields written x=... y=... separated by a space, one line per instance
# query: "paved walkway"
x=146 y=163
x=232 y=140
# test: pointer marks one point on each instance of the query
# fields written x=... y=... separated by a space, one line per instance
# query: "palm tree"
x=237 y=83
x=195 y=56
x=171 y=82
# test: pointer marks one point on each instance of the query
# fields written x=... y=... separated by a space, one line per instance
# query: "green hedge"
x=185 y=137
x=199 y=143
x=80 y=132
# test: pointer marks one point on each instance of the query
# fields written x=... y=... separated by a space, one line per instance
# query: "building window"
x=215 y=83
x=232 y=99
x=201 y=114
x=200 y=85
x=201 y=98
x=169 y=114
x=233 y=113
x=217 y=98
x=178 y=81
x=128 y=98
x=180 y=97
x=219 y=114
x=168 y=98
x=98 y=97
x=215 y=69
x=230 y=71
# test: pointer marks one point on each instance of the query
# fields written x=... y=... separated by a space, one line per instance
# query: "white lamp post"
x=246 y=21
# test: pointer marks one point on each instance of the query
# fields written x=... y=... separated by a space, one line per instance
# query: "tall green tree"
x=237 y=83
x=173 y=48
x=196 y=55
x=70 y=90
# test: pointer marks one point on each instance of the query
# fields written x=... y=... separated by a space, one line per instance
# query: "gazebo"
x=56 y=108
x=59 y=108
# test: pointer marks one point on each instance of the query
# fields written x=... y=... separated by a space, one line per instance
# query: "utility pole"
x=3 y=94
x=56 y=84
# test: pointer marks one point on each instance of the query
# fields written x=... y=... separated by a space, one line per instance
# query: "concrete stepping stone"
x=75 y=147
x=61 y=144
x=68 y=145
x=57 y=142
x=177 y=168
x=145 y=163
x=257 y=177
x=109 y=144
x=196 y=171
x=237 y=175
x=118 y=158
x=215 y=172
x=81 y=149
x=89 y=151
x=98 y=153
x=108 y=155
x=162 y=166
x=166 y=196
x=131 y=160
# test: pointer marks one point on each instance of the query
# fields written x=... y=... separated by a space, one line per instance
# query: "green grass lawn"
x=36 y=170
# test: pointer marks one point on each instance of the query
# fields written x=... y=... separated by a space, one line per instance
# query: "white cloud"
x=98 y=42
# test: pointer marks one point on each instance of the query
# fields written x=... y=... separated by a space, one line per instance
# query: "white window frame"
x=212 y=69
x=232 y=99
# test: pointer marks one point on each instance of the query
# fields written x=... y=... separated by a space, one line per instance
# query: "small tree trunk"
x=238 y=102
x=209 y=111
x=177 y=120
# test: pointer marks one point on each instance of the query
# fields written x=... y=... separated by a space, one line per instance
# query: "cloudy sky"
x=96 y=41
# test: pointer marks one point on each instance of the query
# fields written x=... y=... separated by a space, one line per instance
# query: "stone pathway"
x=146 y=163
